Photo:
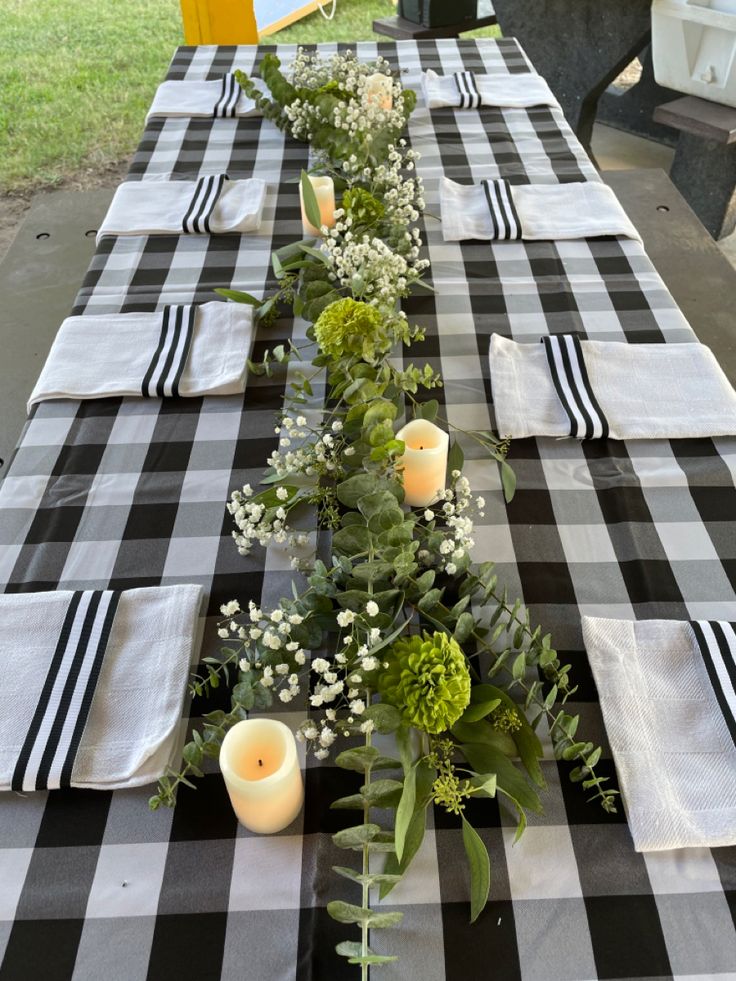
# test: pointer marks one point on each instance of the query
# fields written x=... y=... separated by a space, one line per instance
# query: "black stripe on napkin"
x=468 y=89
x=51 y=744
x=570 y=378
x=170 y=357
x=226 y=105
x=504 y=217
x=717 y=642
x=197 y=219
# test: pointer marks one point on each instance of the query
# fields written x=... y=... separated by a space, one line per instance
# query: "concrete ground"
x=45 y=263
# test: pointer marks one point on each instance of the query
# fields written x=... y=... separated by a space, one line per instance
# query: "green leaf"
x=518 y=668
x=362 y=757
x=510 y=780
x=526 y=740
x=353 y=950
x=455 y=458
x=427 y=410
x=483 y=701
x=508 y=480
x=464 y=627
x=238 y=296
x=382 y=793
x=430 y=599
x=405 y=810
x=386 y=718
x=309 y=199
x=357 y=836
x=370 y=879
x=480 y=869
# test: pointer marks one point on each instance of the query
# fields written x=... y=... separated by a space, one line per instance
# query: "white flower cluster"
x=402 y=196
x=358 y=115
x=258 y=523
x=343 y=682
x=313 y=457
x=268 y=647
x=458 y=503
x=369 y=267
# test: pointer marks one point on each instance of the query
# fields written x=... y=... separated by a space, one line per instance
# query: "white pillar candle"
x=259 y=762
x=424 y=462
x=324 y=191
x=379 y=90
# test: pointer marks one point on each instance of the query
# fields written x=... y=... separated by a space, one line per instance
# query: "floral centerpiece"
x=399 y=632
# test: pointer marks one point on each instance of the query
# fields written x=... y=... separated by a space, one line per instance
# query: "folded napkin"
x=180 y=351
x=466 y=90
x=495 y=209
x=220 y=99
x=667 y=695
x=93 y=695
x=212 y=205
x=592 y=389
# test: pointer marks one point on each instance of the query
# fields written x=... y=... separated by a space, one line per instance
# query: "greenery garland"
x=413 y=639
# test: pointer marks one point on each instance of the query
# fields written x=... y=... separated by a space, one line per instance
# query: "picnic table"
x=128 y=492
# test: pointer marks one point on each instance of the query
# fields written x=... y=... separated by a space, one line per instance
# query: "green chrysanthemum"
x=350 y=327
x=427 y=679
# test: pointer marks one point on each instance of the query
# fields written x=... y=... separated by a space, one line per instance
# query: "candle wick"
x=260 y=762
x=421 y=447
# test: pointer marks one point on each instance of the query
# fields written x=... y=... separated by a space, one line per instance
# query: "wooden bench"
x=402 y=30
x=704 y=168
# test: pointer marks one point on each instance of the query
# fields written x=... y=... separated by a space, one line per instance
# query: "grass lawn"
x=77 y=76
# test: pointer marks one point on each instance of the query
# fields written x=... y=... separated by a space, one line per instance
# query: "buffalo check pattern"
x=115 y=493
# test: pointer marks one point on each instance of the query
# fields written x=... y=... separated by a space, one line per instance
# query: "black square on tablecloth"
x=41 y=950
x=188 y=947
x=627 y=937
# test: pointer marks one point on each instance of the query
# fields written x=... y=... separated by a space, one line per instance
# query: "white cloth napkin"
x=501 y=89
x=198 y=99
x=105 y=356
x=675 y=757
x=646 y=391
x=160 y=207
x=134 y=719
x=498 y=210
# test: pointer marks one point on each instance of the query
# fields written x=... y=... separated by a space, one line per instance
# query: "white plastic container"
x=694 y=47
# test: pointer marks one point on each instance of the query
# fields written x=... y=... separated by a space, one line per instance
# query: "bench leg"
x=704 y=172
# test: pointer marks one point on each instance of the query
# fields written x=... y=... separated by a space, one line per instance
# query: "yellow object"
x=219 y=22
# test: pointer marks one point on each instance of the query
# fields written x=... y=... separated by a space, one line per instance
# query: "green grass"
x=77 y=76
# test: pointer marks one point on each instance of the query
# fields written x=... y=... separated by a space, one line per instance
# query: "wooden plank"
x=701 y=279
x=401 y=29
x=700 y=117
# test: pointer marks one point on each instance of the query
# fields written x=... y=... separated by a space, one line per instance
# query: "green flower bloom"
x=362 y=207
x=350 y=327
x=427 y=679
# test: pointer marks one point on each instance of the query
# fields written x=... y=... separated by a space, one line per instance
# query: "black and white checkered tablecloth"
x=127 y=492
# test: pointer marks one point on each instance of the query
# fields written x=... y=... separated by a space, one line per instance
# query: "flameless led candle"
x=379 y=90
x=259 y=762
x=424 y=462
x=324 y=190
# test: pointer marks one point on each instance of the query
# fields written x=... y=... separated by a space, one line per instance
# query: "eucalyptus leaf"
x=309 y=200
x=480 y=869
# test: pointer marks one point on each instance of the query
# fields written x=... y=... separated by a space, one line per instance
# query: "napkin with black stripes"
x=219 y=99
x=596 y=389
x=495 y=210
x=93 y=685
x=667 y=693
x=211 y=205
x=182 y=350
x=470 y=90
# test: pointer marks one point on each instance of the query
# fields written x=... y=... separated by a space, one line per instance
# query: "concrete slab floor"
x=616 y=150
x=39 y=278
